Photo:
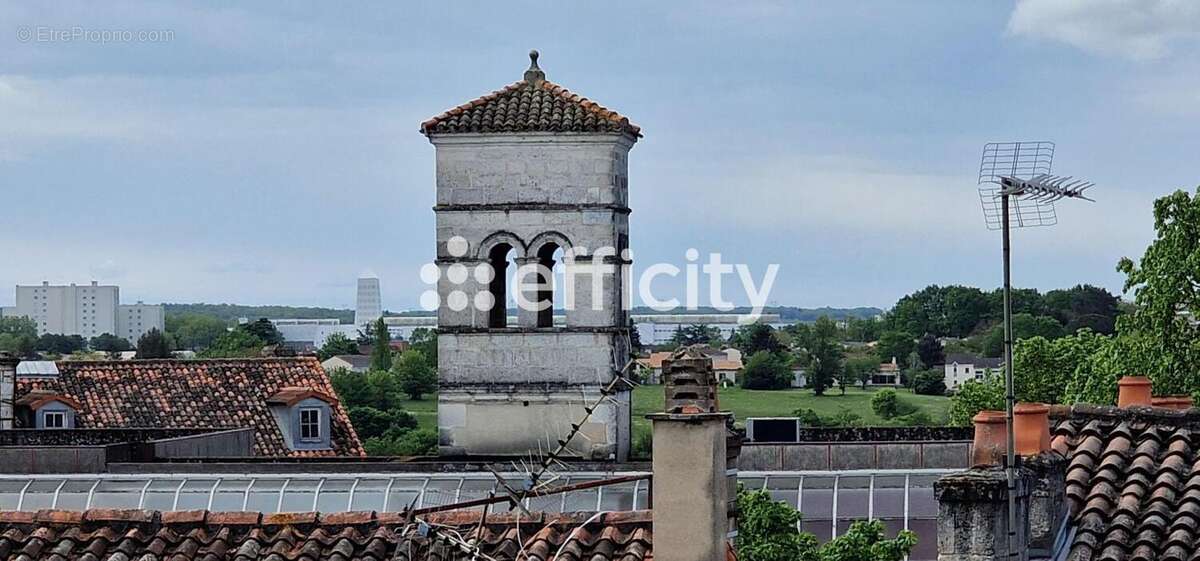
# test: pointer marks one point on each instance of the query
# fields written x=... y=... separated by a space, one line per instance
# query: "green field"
x=746 y=403
x=424 y=410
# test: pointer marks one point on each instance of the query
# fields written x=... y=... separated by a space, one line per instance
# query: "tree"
x=699 y=334
x=264 y=330
x=885 y=403
x=821 y=352
x=860 y=369
x=195 y=331
x=929 y=382
x=1166 y=287
x=768 y=530
x=18 y=336
x=930 y=350
x=635 y=339
x=337 y=344
x=1083 y=306
x=370 y=422
x=109 y=343
x=894 y=344
x=419 y=442
x=861 y=329
x=381 y=354
x=426 y=341
x=237 y=343
x=1024 y=326
x=756 y=337
x=767 y=371
x=414 y=374
x=975 y=396
x=351 y=387
x=153 y=344
x=384 y=391
x=60 y=344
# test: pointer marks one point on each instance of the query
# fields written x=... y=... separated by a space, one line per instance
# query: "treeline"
x=786 y=313
x=230 y=313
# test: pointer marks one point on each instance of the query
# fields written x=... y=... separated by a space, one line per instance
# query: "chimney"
x=8 y=390
x=973 y=505
x=991 y=440
x=1133 y=390
x=1031 y=425
x=1180 y=402
x=694 y=486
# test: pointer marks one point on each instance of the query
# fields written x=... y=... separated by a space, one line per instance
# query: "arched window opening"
x=499 y=259
x=548 y=256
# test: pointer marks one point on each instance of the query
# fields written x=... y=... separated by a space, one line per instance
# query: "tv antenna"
x=1016 y=189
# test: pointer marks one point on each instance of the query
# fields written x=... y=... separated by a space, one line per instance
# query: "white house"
x=961 y=367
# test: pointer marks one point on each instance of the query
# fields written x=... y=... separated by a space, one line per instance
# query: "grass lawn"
x=424 y=410
x=745 y=403
x=781 y=403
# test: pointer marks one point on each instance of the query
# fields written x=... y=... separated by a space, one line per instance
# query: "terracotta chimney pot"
x=991 y=440
x=1179 y=402
x=1133 y=390
x=1031 y=423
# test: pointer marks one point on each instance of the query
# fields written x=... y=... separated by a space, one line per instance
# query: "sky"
x=270 y=154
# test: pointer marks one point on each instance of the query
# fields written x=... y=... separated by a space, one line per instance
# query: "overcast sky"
x=270 y=156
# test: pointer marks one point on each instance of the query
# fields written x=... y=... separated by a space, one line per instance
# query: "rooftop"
x=199 y=534
x=533 y=104
x=194 y=394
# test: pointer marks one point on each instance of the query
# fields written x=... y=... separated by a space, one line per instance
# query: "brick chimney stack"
x=694 y=485
x=8 y=390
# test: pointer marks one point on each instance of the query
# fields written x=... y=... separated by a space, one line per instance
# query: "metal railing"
x=823 y=497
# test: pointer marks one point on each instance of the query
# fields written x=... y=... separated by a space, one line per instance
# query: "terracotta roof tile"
x=218 y=394
x=202 y=536
x=533 y=104
x=1133 y=481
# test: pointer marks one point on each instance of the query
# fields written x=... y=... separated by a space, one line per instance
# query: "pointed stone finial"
x=534 y=74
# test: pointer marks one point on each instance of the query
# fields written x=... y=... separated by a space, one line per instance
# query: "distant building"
x=85 y=310
x=961 y=367
x=887 y=375
x=727 y=363
x=368 y=305
x=659 y=329
x=135 y=320
x=353 y=363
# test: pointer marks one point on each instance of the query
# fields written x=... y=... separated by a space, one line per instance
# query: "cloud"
x=1138 y=30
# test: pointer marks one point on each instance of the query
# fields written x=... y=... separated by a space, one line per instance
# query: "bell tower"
x=532 y=190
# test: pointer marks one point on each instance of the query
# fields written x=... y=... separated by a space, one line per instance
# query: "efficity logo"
x=530 y=281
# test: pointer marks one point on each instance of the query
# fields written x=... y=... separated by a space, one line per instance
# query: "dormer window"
x=43 y=409
x=304 y=417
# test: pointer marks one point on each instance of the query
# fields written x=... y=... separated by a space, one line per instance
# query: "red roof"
x=222 y=394
x=1132 y=481
x=309 y=536
x=533 y=104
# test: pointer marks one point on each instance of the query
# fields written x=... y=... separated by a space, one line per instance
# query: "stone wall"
x=543 y=168
x=549 y=357
x=91 y=437
x=821 y=456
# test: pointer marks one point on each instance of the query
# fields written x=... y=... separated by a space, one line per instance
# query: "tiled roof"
x=226 y=394
x=533 y=104
x=125 y=535
x=1132 y=482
